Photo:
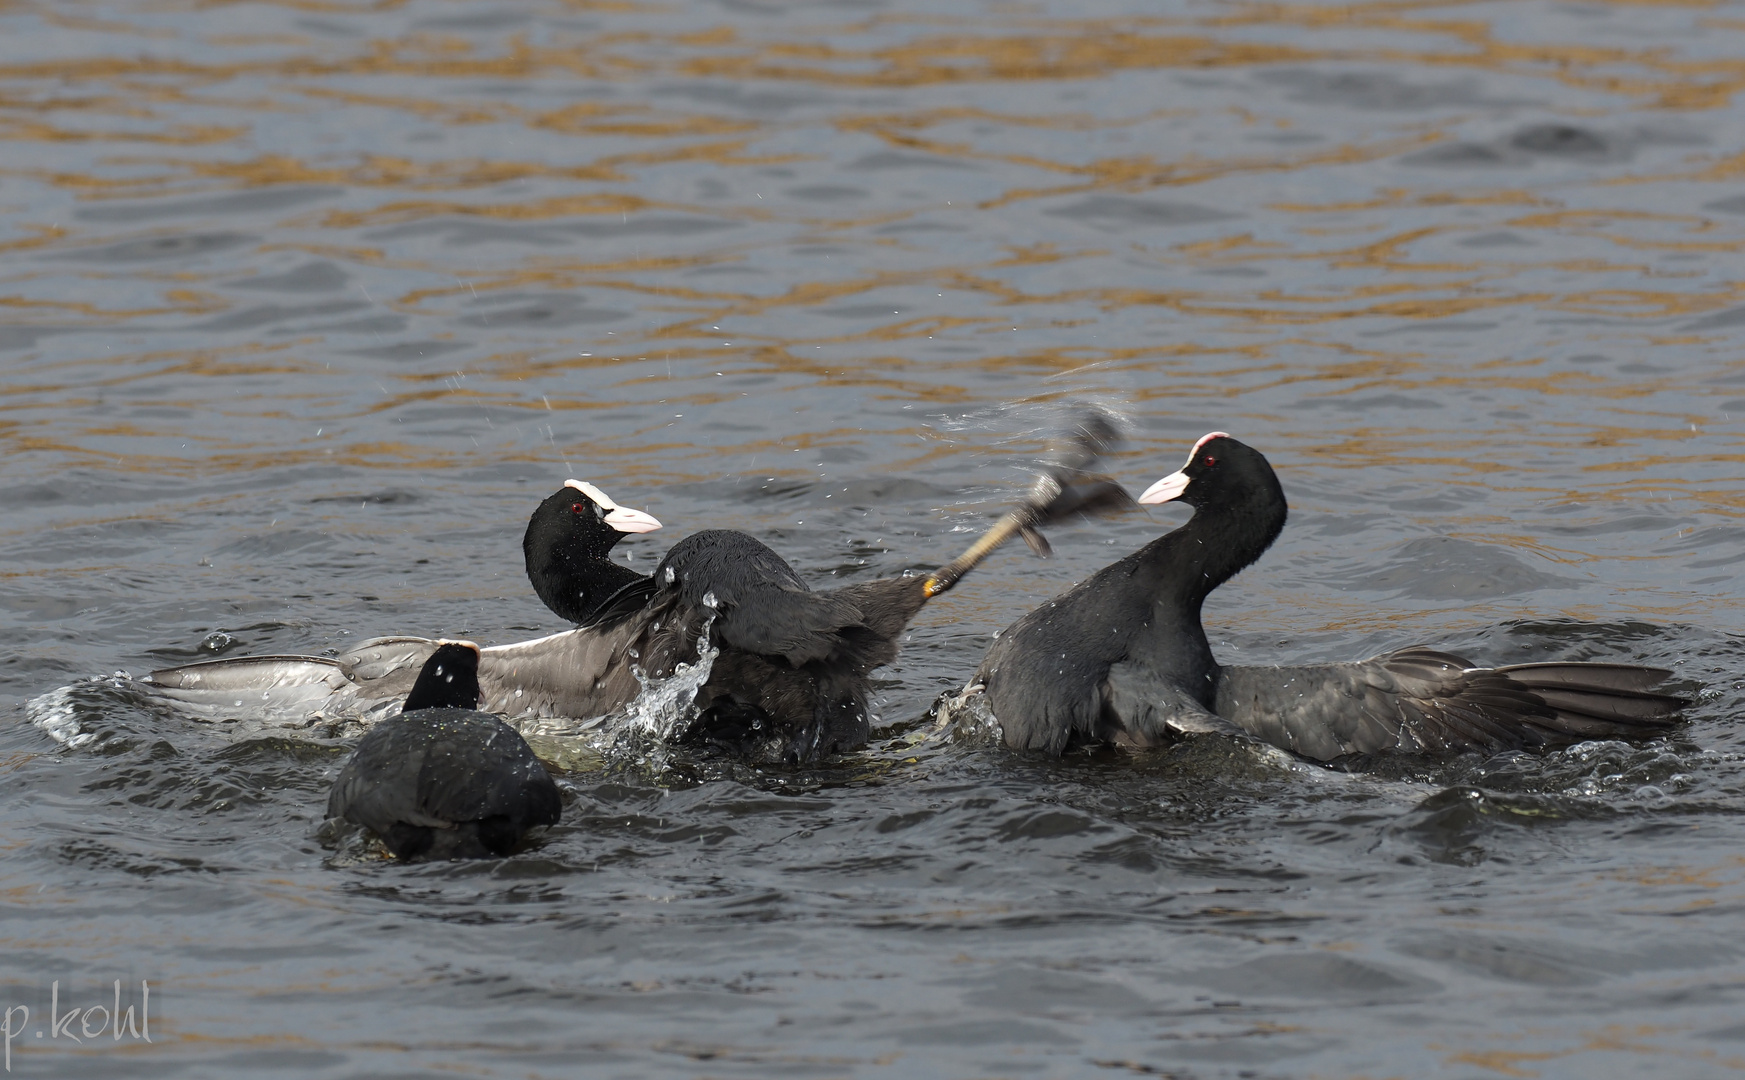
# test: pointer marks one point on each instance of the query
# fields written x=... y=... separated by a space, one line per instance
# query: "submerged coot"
x=442 y=780
x=1122 y=657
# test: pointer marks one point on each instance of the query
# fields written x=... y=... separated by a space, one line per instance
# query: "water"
x=305 y=306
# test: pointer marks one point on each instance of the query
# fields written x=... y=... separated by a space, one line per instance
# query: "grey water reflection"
x=304 y=305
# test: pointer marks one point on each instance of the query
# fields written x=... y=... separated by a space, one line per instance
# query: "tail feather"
x=1599 y=700
x=1624 y=678
x=1612 y=706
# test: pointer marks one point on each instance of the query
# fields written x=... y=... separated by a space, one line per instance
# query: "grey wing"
x=578 y=673
x=291 y=691
x=383 y=670
x=1413 y=700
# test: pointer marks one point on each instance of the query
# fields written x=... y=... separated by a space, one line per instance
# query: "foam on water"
x=57 y=711
x=53 y=713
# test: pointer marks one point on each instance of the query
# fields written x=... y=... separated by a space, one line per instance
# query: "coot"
x=442 y=780
x=1122 y=658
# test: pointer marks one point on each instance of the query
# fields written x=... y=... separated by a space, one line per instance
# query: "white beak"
x=1168 y=489
x=626 y=520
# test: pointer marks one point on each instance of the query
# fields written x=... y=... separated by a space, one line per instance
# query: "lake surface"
x=306 y=304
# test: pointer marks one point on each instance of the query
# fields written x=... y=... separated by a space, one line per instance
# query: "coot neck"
x=1216 y=544
x=575 y=587
x=1178 y=570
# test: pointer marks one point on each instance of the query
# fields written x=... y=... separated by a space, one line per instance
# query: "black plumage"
x=791 y=677
x=1123 y=658
x=442 y=780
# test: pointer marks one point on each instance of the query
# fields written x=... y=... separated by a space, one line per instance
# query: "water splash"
x=57 y=711
x=53 y=712
x=664 y=705
x=964 y=717
x=556 y=727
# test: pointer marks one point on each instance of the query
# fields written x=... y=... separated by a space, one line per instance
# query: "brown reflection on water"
x=1090 y=49
x=1322 y=247
x=1145 y=171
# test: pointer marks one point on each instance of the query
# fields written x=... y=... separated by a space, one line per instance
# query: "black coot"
x=567 y=547
x=441 y=780
x=1122 y=657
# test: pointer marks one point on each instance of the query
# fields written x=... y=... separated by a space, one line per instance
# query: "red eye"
x=577 y=508
x=1210 y=461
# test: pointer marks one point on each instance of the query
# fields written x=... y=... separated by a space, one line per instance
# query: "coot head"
x=449 y=679
x=567 y=544
x=582 y=519
x=1220 y=472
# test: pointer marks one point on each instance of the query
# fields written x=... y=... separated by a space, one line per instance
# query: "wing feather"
x=1418 y=699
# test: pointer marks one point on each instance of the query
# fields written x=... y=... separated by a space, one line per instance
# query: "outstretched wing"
x=1424 y=701
x=285 y=691
x=577 y=673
